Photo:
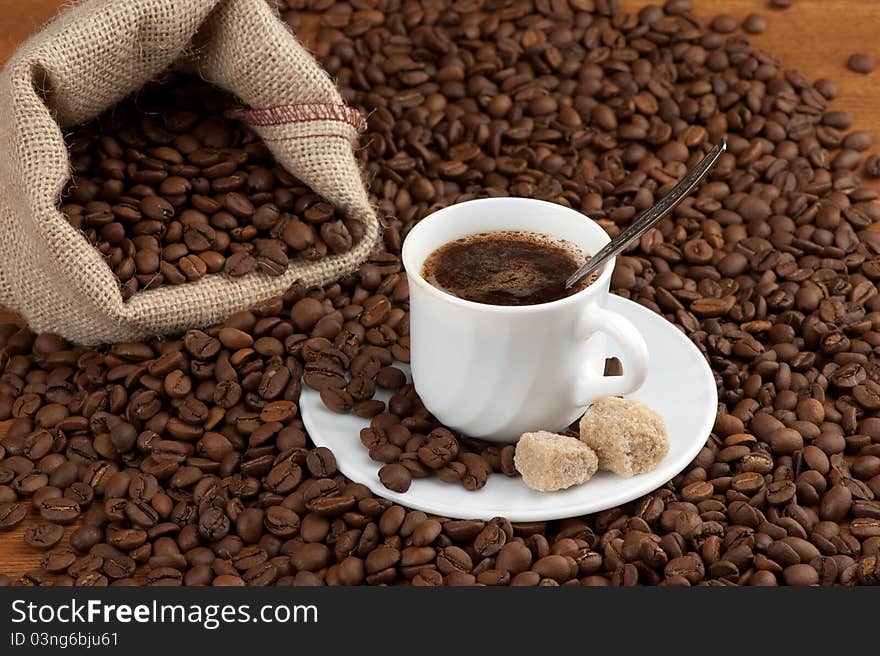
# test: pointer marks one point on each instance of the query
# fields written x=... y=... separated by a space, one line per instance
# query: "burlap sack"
x=93 y=55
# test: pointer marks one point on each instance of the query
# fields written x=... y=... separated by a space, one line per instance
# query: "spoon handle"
x=644 y=223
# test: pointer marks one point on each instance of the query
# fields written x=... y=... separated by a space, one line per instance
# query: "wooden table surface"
x=815 y=36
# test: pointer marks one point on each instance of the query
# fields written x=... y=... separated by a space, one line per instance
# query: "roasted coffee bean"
x=321 y=463
x=690 y=568
x=390 y=378
x=490 y=540
x=555 y=567
x=514 y=558
x=800 y=575
x=281 y=521
x=440 y=448
x=58 y=560
x=60 y=510
x=11 y=515
x=725 y=23
x=164 y=576
x=835 y=503
x=754 y=24
x=310 y=557
x=119 y=566
x=860 y=63
x=426 y=532
x=201 y=345
x=249 y=525
x=337 y=400
x=44 y=535
x=85 y=537
x=395 y=477
x=213 y=524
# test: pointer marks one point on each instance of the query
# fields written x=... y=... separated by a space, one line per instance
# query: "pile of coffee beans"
x=169 y=189
x=185 y=461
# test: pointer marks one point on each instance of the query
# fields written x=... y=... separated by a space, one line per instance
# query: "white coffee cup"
x=495 y=372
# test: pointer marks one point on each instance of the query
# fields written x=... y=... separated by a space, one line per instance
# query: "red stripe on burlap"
x=300 y=113
x=305 y=136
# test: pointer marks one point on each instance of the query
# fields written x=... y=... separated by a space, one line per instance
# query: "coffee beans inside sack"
x=194 y=193
x=184 y=460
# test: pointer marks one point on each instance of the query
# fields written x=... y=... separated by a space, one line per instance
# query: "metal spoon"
x=647 y=220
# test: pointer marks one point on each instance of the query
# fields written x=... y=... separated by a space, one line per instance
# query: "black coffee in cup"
x=505 y=268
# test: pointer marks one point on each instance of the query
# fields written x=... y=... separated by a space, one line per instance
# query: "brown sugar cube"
x=629 y=437
x=550 y=462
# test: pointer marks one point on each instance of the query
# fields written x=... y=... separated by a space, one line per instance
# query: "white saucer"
x=680 y=386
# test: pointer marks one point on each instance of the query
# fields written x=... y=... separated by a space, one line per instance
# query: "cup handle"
x=592 y=384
